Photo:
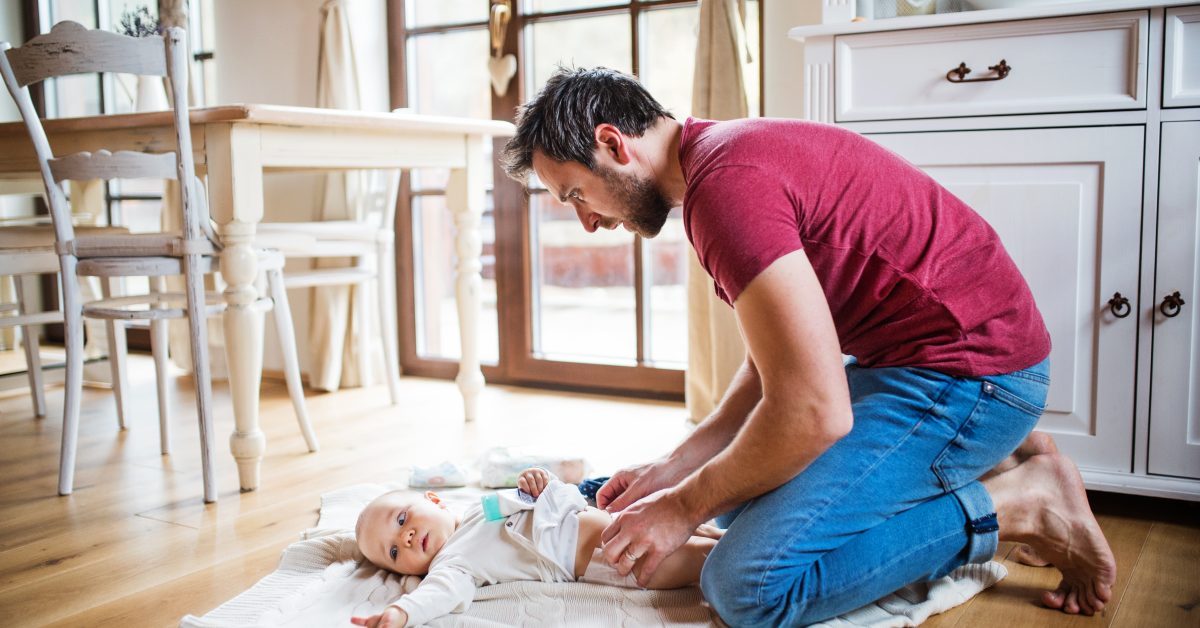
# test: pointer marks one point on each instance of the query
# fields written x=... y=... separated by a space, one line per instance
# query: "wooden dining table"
x=234 y=146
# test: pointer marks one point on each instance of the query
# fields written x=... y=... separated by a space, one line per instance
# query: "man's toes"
x=1054 y=599
x=1072 y=604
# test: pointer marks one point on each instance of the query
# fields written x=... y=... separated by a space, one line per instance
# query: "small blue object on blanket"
x=589 y=487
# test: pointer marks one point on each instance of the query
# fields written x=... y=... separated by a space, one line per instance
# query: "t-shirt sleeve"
x=441 y=592
x=740 y=220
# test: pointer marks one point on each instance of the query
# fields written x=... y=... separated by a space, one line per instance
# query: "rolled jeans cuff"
x=983 y=533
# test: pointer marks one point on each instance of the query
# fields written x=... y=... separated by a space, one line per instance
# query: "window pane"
x=118 y=8
x=448 y=74
x=584 y=42
x=431 y=12
x=668 y=49
x=434 y=259
x=548 y=6
x=82 y=11
x=584 y=306
x=667 y=301
x=76 y=95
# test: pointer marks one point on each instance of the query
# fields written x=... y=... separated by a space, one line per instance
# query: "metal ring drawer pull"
x=1001 y=69
x=1171 y=305
x=1119 y=306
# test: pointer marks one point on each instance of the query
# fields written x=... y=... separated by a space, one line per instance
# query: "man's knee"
x=739 y=593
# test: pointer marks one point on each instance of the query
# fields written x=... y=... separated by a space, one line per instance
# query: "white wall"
x=783 y=58
x=266 y=53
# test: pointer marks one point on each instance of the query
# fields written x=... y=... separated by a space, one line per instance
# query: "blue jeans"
x=896 y=501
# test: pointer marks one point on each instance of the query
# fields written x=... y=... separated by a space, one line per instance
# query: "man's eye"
x=392 y=552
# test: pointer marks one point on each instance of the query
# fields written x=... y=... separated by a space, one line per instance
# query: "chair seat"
x=43 y=235
x=155 y=306
x=138 y=245
x=268 y=259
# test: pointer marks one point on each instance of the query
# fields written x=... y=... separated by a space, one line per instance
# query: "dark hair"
x=561 y=120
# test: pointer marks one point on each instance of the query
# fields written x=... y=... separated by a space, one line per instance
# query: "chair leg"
x=386 y=303
x=116 y=355
x=362 y=325
x=33 y=356
x=73 y=330
x=291 y=363
x=201 y=373
x=159 y=346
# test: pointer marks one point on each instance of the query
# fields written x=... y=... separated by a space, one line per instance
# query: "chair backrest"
x=380 y=197
x=70 y=48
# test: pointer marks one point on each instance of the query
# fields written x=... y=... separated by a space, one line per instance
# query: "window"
x=561 y=306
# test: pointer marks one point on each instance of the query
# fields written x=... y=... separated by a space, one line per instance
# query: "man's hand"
x=391 y=617
x=533 y=481
x=642 y=535
x=633 y=483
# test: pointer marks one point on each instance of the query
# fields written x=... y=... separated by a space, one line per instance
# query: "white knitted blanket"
x=323 y=581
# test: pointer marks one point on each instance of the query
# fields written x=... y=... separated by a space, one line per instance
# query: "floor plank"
x=1165 y=590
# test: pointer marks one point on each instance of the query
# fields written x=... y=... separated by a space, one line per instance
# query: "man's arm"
x=805 y=404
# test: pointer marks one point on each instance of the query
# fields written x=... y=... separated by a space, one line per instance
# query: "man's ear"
x=612 y=142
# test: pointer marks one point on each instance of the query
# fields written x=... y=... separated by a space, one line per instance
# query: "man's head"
x=402 y=531
x=578 y=135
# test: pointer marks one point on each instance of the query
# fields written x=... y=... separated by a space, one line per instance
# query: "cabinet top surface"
x=978 y=17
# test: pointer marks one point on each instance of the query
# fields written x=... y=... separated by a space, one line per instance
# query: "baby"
x=554 y=539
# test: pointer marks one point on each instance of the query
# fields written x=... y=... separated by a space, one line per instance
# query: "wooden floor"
x=135 y=546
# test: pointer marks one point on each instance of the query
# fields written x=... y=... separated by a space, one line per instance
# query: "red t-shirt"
x=913 y=276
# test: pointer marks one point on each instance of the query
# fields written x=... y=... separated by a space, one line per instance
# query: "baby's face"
x=404 y=531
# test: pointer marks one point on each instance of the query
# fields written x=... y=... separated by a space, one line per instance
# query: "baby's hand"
x=390 y=618
x=533 y=481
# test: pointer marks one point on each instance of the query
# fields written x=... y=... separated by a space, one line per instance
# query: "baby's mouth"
x=425 y=543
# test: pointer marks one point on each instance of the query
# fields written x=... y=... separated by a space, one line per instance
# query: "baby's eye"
x=401 y=518
x=392 y=552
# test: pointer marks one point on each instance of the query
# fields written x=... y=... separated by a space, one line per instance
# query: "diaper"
x=600 y=572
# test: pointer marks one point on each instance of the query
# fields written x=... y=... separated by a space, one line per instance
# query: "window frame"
x=518 y=364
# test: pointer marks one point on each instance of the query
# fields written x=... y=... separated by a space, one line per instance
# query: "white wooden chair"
x=70 y=48
x=369 y=243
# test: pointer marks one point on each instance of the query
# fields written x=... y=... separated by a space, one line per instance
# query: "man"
x=837 y=483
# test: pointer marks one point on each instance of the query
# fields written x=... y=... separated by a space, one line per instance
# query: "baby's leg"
x=680 y=569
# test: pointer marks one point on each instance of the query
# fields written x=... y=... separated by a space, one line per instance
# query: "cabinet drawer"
x=1077 y=63
x=1181 y=70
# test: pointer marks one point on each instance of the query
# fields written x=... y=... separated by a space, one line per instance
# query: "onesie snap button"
x=509 y=524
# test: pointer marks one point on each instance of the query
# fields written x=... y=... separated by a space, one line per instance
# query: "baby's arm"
x=441 y=592
x=534 y=480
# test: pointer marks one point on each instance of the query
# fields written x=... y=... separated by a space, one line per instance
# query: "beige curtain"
x=715 y=347
x=335 y=327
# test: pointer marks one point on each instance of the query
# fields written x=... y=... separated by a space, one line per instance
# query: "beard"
x=646 y=206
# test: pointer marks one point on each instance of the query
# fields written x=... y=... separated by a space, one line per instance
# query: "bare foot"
x=1042 y=502
x=1036 y=443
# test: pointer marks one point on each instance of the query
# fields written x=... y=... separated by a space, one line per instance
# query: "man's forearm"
x=718 y=429
x=776 y=444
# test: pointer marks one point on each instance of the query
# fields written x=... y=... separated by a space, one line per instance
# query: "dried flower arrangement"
x=139 y=23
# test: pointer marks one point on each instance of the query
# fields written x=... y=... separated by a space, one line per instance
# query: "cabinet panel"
x=1181 y=60
x=1067 y=205
x=1175 y=379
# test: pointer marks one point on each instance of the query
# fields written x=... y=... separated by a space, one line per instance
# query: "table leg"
x=235 y=187
x=465 y=196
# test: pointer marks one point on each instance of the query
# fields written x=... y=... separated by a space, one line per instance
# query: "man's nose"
x=589 y=220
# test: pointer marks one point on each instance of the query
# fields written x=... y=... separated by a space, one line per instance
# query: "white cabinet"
x=1085 y=158
x=1174 y=408
x=1064 y=202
